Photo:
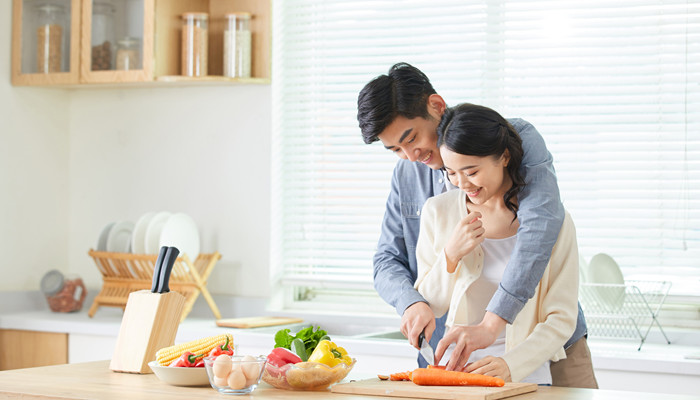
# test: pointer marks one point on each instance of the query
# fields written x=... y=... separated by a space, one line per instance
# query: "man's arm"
x=393 y=278
x=540 y=214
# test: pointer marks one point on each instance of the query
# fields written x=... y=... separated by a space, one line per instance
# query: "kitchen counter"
x=95 y=380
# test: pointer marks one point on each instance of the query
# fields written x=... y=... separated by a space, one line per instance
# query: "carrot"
x=383 y=377
x=440 y=377
x=401 y=376
x=437 y=366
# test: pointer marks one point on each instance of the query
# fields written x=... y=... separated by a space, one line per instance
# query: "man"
x=402 y=110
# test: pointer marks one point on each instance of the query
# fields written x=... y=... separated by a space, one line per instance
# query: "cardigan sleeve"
x=434 y=283
x=556 y=309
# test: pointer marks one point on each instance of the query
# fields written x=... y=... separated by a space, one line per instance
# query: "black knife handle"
x=421 y=338
x=157 y=268
x=168 y=264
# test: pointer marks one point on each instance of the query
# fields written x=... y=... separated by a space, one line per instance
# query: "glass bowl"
x=305 y=375
x=237 y=375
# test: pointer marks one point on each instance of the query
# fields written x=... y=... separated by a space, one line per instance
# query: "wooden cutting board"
x=376 y=387
x=256 y=322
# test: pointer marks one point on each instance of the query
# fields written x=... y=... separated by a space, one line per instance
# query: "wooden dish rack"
x=124 y=273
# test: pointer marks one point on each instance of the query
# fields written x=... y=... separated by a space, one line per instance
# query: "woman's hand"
x=468 y=338
x=468 y=234
x=491 y=366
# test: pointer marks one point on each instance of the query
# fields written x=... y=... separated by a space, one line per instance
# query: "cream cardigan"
x=547 y=320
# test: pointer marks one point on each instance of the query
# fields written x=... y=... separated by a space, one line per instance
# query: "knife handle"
x=157 y=268
x=168 y=264
x=421 y=338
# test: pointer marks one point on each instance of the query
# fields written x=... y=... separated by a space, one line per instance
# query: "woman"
x=467 y=236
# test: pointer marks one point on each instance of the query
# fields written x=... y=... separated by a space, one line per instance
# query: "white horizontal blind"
x=613 y=86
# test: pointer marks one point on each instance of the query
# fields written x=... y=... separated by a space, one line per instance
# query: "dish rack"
x=124 y=273
x=623 y=310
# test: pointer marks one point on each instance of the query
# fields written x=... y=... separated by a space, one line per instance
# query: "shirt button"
x=418 y=212
x=440 y=180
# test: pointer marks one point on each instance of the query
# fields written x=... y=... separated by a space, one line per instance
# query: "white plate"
x=181 y=231
x=102 y=240
x=180 y=376
x=119 y=238
x=582 y=268
x=603 y=269
x=152 y=239
x=138 y=236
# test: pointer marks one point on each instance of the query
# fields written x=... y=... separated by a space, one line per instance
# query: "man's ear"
x=436 y=106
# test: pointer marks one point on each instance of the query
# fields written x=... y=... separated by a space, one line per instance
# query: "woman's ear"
x=506 y=158
x=436 y=106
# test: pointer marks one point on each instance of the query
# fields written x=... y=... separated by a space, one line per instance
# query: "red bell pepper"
x=189 y=359
x=281 y=356
x=225 y=348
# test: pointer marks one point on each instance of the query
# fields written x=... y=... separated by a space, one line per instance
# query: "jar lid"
x=195 y=15
x=48 y=7
x=129 y=41
x=52 y=282
x=242 y=14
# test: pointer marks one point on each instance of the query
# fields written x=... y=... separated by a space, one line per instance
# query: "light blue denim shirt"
x=540 y=214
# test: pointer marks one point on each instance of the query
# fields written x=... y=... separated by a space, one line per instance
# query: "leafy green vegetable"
x=309 y=336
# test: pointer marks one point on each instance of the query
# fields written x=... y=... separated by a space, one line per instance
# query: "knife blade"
x=426 y=350
x=157 y=267
x=167 y=268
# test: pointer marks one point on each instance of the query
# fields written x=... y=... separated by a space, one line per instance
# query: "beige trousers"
x=576 y=370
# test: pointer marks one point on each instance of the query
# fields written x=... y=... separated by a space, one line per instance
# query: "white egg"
x=221 y=382
x=236 y=380
x=222 y=366
x=250 y=367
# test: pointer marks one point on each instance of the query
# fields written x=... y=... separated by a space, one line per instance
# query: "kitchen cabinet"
x=77 y=43
x=26 y=349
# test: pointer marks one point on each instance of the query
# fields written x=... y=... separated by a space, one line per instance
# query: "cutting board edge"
x=453 y=392
x=272 y=321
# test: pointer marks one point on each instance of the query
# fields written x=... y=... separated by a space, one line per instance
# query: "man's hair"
x=404 y=91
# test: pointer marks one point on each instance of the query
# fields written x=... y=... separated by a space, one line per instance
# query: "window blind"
x=612 y=86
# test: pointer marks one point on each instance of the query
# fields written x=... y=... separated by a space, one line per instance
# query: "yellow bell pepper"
x=326 y=352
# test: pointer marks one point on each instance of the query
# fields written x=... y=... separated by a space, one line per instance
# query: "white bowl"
x=180 y=376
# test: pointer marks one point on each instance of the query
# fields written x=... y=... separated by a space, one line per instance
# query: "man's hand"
x=468 y=234
x=491 y=366
x=469 y=338
x=417 y=317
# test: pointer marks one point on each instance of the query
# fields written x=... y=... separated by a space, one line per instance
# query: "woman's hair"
x=474 y=130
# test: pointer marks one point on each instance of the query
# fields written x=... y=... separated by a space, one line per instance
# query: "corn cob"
x=166 y=355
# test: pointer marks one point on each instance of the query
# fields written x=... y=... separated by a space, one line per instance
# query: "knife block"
x=149 y=323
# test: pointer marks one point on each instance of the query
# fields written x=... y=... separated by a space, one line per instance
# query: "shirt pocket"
x=410 y=213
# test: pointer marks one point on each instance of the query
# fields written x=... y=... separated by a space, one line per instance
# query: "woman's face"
x=481 y=178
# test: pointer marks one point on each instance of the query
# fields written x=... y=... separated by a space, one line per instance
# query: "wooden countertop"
x=95 y=380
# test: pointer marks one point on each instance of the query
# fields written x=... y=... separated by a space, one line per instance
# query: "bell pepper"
x=326 y=352
x=188 y=359
x=224 y=348
x=281 y=356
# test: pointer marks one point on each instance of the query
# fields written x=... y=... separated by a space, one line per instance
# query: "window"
x=613 y=87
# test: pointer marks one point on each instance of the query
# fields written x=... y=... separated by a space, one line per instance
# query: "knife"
x=157 y=268
x=426 y=350
x=166 y=269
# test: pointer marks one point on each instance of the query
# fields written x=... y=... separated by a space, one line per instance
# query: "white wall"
x=34 y=175
x=72 y=161
x=204 y=151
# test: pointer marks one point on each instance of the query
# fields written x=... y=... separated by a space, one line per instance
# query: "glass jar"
x=51 y=27
x=103 y=37
x=194 y=44
x=237 y=45
x=128 y=54
x=63 y=293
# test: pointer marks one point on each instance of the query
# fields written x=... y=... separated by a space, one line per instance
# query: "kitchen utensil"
x=150 y=319
x=409 y=389
x=156 y=269
x=138 y=236
x=181 y=231
x=180 y=376
x=166 y=269
x=152 y=237
x=119 y=238
x=603 y=269
x=256 y=322
x=102 y=240
x=426 y=350
x=63 y=293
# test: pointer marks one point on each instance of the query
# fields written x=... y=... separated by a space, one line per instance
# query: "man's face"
x=415 y=139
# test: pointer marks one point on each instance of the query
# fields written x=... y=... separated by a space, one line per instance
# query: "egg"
x=222 y=366
x=250 y=367
x=236 y=380
x=221 y=382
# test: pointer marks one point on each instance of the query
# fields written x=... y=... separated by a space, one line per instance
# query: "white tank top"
x=496 y=255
